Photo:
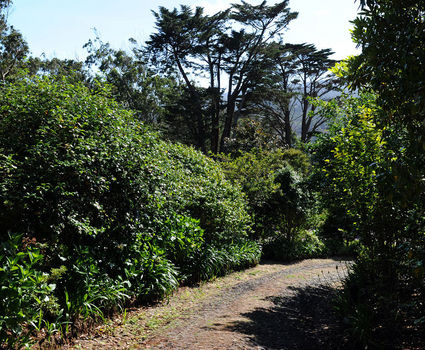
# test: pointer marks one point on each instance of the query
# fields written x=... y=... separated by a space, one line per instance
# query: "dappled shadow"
x=302 y=319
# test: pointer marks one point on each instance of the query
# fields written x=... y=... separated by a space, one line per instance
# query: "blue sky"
x=60 y=28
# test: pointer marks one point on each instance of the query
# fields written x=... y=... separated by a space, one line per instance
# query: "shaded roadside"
x=288 y=309
x=301 y=319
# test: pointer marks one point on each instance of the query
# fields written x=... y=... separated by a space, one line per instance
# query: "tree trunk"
x=288 y=129
x=215 y=130
x=230 y=111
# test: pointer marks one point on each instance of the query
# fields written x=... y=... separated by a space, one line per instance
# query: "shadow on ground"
x=304 y=319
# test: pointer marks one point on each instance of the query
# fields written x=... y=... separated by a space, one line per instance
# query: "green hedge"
x=115 y=212
x=273 y=181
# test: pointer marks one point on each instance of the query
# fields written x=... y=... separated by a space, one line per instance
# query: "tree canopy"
x=231 y=61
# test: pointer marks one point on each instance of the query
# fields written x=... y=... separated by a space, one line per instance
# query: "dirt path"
x=271 y=306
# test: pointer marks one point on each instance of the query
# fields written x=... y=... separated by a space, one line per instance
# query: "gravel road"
x=271 y=306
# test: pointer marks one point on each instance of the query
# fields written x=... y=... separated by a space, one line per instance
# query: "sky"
x=61 y=28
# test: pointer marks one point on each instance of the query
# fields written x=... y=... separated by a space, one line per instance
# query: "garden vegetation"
x=122 y=179
x=97 y=211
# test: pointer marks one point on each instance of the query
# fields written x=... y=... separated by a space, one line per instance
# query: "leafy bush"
x=346 y=163
x=306 y=245
x=248 y=136
x=289 y=203
x=393 y=231
x=203 y=192
x=24 y=291
x=279 y=200
x=120 y=213
x=276 y=197
x=358 y=177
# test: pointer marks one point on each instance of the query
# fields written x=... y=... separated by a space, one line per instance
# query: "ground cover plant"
x=100 y=211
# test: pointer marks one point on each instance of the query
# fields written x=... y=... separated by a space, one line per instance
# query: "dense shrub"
x=393 y=267
x=273 y=183
x=358 y=178
x=345 y=163
x=120 y=213
x=280 y=200
x=305 y=245
x=249 y=135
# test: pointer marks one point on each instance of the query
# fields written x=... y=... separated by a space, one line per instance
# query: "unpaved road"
x=271 y=306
